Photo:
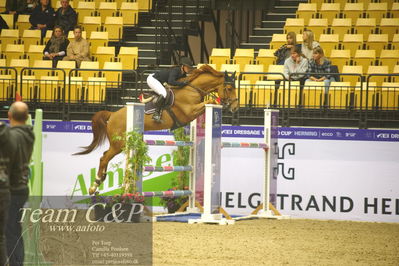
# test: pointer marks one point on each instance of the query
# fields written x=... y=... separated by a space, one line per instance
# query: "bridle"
x=227 y=101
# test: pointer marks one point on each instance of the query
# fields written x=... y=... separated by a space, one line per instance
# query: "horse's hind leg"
x=102 y=170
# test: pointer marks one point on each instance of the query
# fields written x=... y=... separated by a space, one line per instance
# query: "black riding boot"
x=158 y=112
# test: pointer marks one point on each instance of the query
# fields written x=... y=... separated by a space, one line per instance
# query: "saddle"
x=151 y=106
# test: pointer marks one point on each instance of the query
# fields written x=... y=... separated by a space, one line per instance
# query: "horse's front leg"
x=198 y=109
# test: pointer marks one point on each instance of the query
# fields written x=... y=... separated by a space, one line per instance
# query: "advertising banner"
x=323 y=173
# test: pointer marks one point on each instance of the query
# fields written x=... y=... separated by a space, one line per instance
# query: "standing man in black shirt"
x=20 y=139
x=4 y=190
x=171 y=77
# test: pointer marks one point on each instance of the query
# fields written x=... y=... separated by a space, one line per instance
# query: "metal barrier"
x=8 y=85
x=79 y=93
x=92 y=90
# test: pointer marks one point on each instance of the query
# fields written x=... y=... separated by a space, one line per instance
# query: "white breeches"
x=156 y=86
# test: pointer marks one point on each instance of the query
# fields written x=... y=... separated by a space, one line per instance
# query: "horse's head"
x=227 y=92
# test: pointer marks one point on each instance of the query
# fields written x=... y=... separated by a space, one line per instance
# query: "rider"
x=169 y=76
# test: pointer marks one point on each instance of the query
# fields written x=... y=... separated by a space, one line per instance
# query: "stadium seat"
x=128 y=56
x=211 y=65
x=243 y=57
x=329 y=42
x=313 y=94
x=364 y=58
x=112 y=76
x=341 y=26
x=145 y=5
x=266 y=57
x=306 y=11
x=288 y=97
x=91 y=24
x=365 y=98
x=7 y=86
x=377 y=42
x=365 y=26
x=114 y=27
x=378 y=70
x=130 y=13
x=275 y=69
x=85 y=9
x=89 y=73
x=318 y=26
x=340 y=58
x=377 y=10
x=95 y=90
x=389 y=26
x=31 y=37
x=49 y=88
x=104 y=54
x=389 y=99
x=264 y=93
x=23 y=23
x=294 y=24
x=353 y=42
x=395 y=71
x=67 y=66
x=28 y=87
x=8 y=37
x=395 y=42
x=353 y=10
x=98 y=38
x=14 y=51
x=35 y=52
x=253 y=77
x=9 y=19
x=351 y=70
x=231 y=68
x=75 y=91
x=42 y=64
x=394 y=11
x=220 y=56
x=48 y=35
x=107 y=9
x=389 y=58
x=339 y=95
x=329 y=11
x=245 y=92
x=278 y=40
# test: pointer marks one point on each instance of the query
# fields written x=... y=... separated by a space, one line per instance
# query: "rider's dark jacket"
x=171 y=76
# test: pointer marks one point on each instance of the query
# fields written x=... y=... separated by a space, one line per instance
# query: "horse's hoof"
x=92 y=190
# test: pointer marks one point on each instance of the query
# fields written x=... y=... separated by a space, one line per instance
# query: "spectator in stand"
x=43 y=17
x=19 y=139
x=319 y=64
x=56 y=47
x=78 y=49
x=296 y=63
x=16 y=7
x=66 y=17
x=308 y=44
x=284 y=52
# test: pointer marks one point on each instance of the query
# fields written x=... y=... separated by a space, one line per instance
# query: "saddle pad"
x=150 y=106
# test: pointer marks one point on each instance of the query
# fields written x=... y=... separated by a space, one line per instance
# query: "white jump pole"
x=212 y=163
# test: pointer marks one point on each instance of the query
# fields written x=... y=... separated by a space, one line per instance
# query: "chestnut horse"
x=189 y=104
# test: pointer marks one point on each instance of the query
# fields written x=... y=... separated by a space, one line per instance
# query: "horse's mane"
x=204 y=69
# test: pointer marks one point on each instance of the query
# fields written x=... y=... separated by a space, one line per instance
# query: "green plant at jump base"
x=181 y=156
x=136 y=151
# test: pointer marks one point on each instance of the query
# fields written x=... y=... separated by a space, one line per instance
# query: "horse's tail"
x=99 y=127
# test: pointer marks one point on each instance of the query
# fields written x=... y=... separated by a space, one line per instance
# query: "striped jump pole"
x=209 y=141
x=269 y=144
x=135 y=121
